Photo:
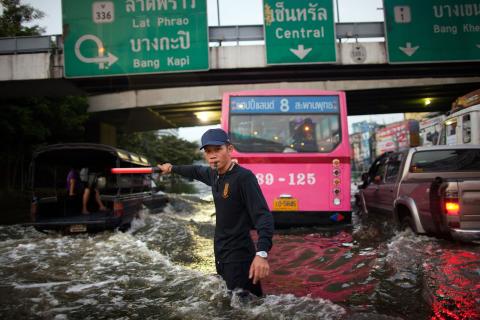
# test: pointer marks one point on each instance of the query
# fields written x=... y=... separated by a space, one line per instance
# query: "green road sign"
x=121 y=37
x=432 y=30
x=299 y=31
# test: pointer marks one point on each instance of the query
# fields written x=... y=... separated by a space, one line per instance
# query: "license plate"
x=285 y=204
x=78 y=228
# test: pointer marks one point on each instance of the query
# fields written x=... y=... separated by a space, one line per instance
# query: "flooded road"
x=163 y=269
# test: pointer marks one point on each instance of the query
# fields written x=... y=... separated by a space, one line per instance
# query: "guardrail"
x=255 y=32
x=217 y=34
x=31 y=44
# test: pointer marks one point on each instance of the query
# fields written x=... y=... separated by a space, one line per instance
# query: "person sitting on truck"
x=74 y=185
x=91 y=189
x=74 y=190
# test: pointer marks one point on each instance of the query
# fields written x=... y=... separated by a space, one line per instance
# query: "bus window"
x=451 y=132
x=467 y=129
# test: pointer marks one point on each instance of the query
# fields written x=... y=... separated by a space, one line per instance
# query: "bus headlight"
x=336 y=201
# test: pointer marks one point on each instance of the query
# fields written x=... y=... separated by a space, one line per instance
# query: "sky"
x=239 y=12
x=232 y=12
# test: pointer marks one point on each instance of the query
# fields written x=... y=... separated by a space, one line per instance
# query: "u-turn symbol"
x=100 y=59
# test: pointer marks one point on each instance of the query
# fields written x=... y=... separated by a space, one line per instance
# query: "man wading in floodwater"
x=240 y=206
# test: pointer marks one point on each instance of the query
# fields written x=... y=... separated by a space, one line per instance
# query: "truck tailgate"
x=469 y=194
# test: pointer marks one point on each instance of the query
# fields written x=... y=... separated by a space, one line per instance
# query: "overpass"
x=155 y=101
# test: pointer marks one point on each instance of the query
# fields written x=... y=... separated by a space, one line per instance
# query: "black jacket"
x=240 y=207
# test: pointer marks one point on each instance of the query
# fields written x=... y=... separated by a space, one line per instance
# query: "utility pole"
x=338 y=11
x=218 y=19
x=218 y=12
x=338 y=16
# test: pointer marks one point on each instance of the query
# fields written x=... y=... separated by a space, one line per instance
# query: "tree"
x=26 y=124
x=15 y=15
x=160 y=150
x=178 y=151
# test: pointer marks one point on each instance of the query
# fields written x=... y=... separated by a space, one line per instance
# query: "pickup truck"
x=433 y=190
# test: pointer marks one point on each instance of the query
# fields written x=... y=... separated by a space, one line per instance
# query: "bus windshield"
x=283 y=133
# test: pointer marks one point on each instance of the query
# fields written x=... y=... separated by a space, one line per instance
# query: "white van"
x=462 y=127
x=462 y=124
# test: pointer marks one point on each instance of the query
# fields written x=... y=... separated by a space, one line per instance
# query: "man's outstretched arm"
x=200 y=173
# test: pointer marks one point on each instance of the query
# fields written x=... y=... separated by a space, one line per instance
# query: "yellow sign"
x=285 y=204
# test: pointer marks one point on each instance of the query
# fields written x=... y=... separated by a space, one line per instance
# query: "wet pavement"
x=163 y=269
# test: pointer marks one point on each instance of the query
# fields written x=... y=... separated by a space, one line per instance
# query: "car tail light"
x=118 y=209
x=452 y=207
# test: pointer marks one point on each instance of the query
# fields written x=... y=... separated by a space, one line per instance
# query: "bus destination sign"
x=284 y=104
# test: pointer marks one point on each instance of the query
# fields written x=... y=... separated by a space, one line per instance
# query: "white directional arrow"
x=110 y=59
x=408 y=49
x=301 y=52
x=101 y=59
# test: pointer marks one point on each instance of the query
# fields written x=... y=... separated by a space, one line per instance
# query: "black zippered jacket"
x=240 y=206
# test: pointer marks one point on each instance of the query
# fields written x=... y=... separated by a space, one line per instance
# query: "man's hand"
x=165 y=168
x=259 y=269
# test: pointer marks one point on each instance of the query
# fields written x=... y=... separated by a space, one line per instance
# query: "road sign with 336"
x=299 y=31
x=432 y=30
x=122 y=37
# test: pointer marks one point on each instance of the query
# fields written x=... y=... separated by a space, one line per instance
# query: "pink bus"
x=296 y=143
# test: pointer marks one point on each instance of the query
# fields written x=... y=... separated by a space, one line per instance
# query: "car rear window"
x=446 y=160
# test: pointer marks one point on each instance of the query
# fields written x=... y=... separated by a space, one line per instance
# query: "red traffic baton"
x=134 y=170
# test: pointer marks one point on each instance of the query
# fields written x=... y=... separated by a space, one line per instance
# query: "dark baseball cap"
x=214 y=137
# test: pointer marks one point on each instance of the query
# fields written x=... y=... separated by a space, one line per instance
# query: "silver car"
x=433 y=190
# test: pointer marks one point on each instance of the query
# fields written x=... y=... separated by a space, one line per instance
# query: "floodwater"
x=163 y=269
